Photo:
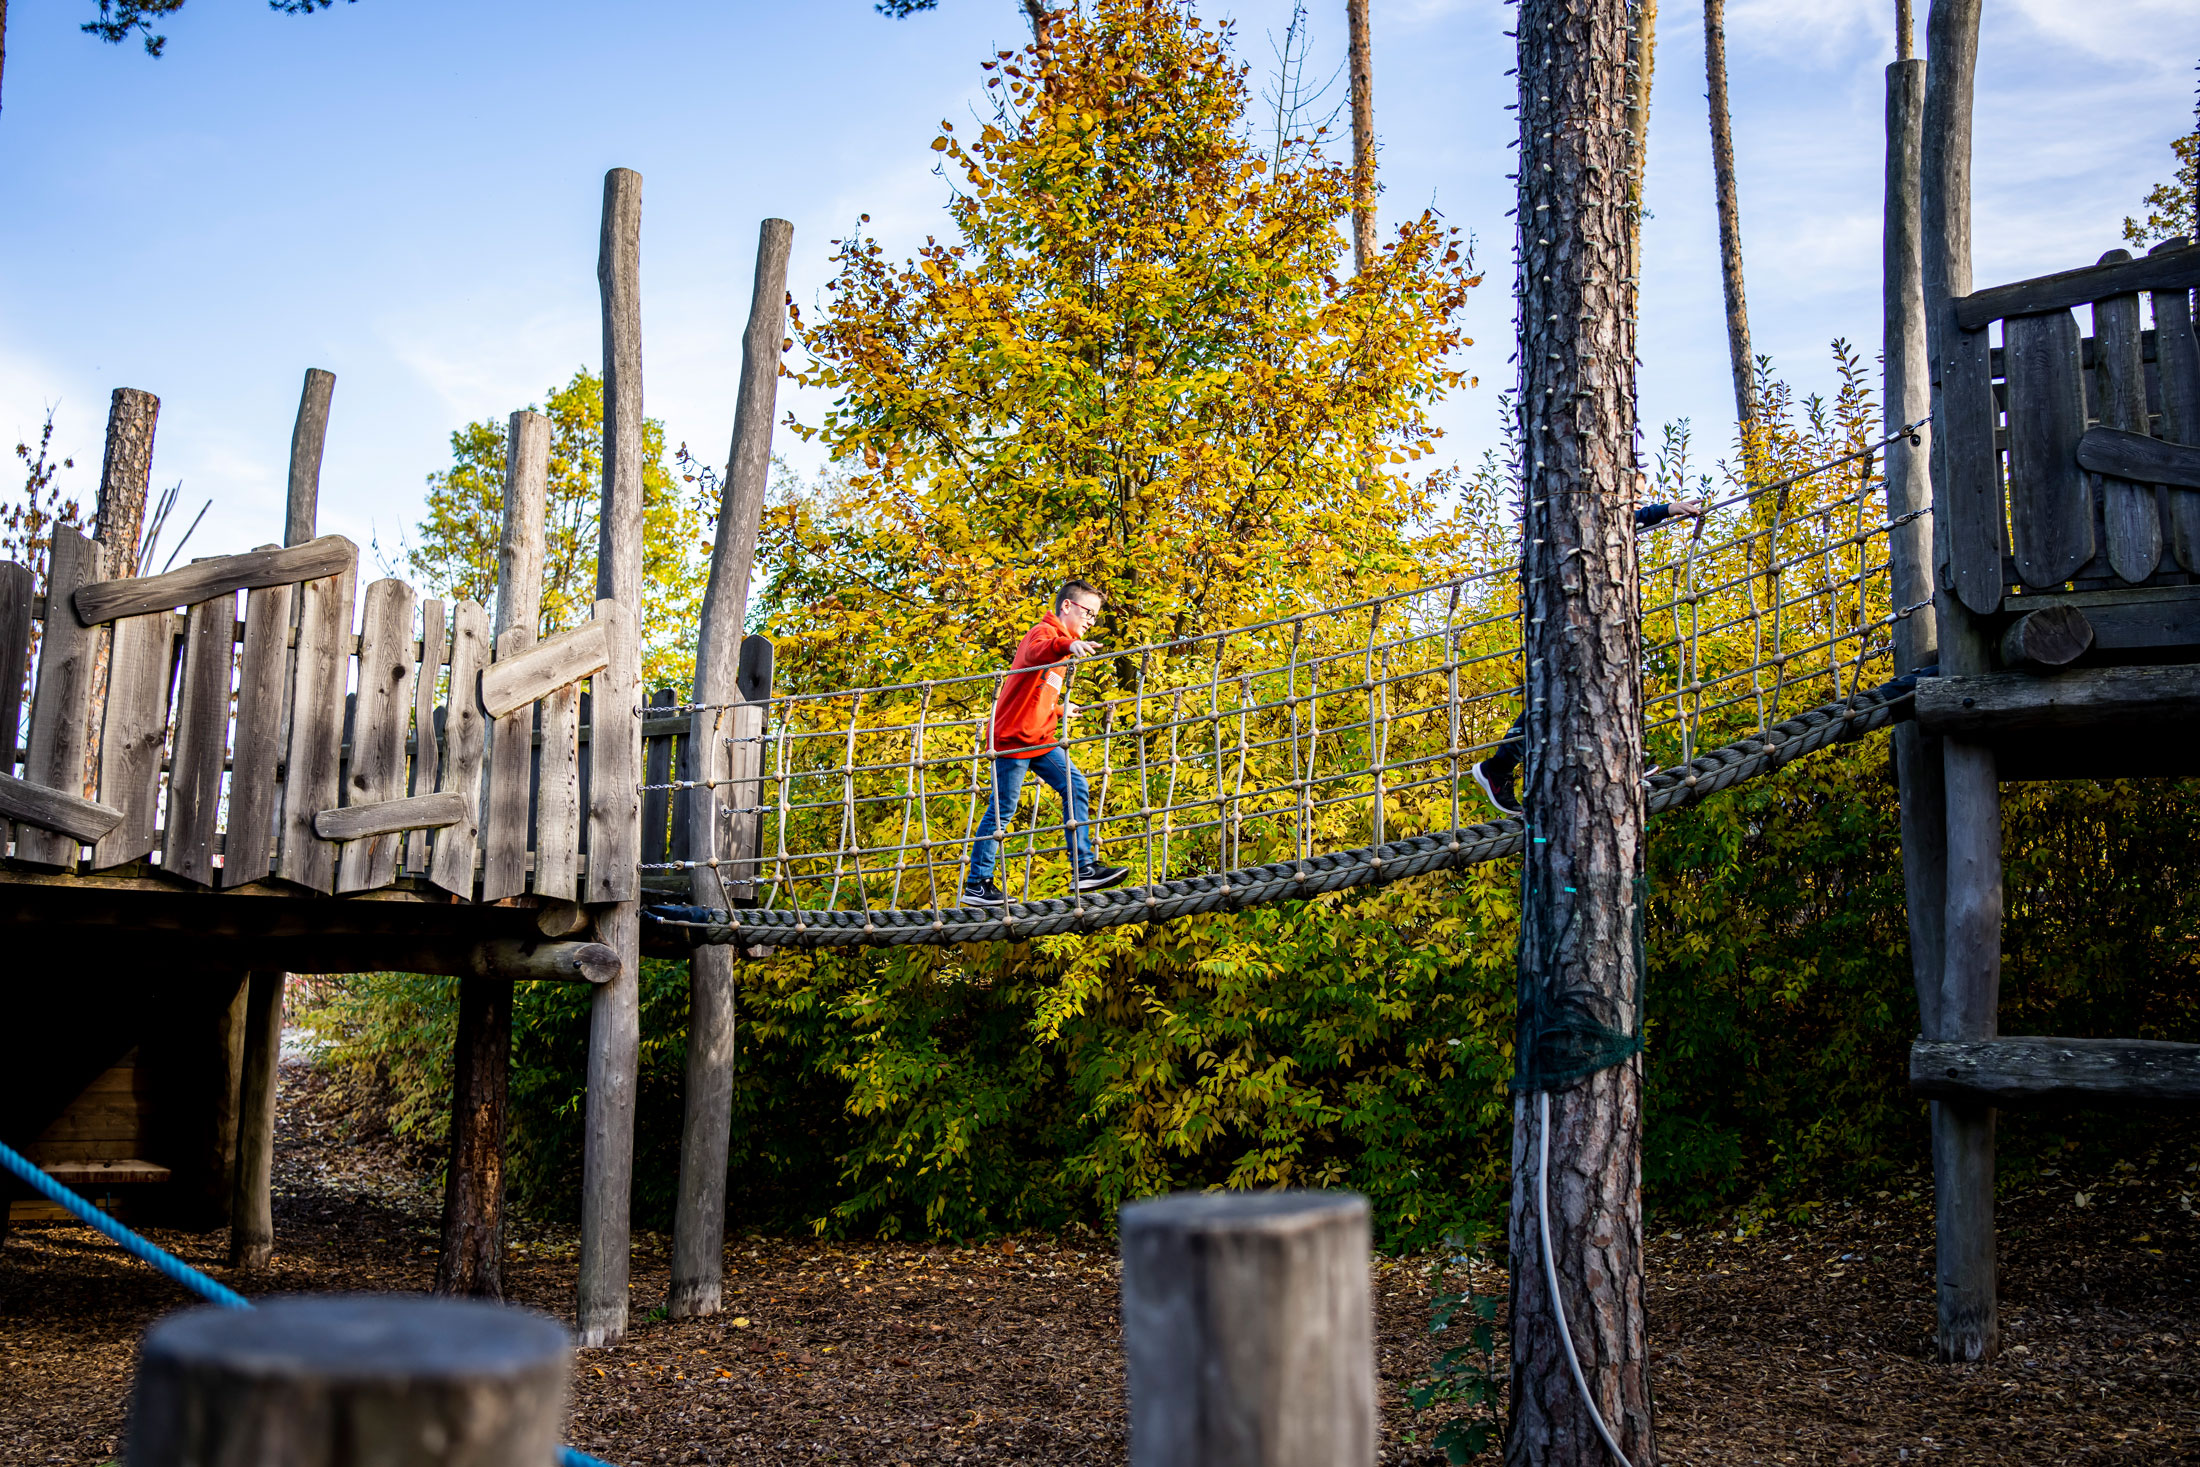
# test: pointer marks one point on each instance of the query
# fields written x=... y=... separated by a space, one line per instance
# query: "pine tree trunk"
x=1363 y=135
x=1584 y=728
x=1730 y=214
x=473 y=1197
x=1642 y=43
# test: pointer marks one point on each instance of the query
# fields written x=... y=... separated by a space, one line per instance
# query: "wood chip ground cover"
x=1789 y=1344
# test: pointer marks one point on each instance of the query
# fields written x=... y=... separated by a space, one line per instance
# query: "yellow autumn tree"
x=1135 y=359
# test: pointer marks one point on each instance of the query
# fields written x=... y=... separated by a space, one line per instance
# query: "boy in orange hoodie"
x=1023 y=742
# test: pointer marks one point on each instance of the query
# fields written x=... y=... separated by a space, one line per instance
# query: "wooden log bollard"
x=351 y=1379
x=1248 y=1324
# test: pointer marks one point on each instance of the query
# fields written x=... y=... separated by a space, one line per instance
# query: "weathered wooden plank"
x=556 y=662
x=2050 y=498
x=504 y=823
x=54 y=810
x=1997 y=703
x=2131 y=516
x=1249 y=1329
x=425 y=762
x=61 y=702
x=389 y=817
x=2053 y=636
x=377 y=770
x=202 y=739
x=141 y=672
x=615 y=759
x=2174 y=269
x=558 y=795
x=2019 y=1070
x=465 y=730
x=126 y=1172
x=656 y=769
x=2177 y=354
x=207 y=579
x=2138 y=458
x=263 y=667
x=17 y=587
x=1973 y=498
x=311 y=774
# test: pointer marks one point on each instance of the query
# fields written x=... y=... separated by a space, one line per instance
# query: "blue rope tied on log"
x=213 y=1291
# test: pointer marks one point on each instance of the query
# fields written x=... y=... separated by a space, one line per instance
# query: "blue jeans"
x=1055 y=770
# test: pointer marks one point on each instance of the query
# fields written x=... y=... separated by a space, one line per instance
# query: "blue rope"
x=167 y=1263
x=211 y=1290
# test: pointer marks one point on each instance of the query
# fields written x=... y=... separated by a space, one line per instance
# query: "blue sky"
x=406 y=194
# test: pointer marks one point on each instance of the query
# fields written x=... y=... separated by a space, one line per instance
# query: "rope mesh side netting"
x=1310 y=753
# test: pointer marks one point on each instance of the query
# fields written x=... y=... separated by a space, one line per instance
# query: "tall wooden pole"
x=1363 y=134
x=472 y=1261
x=1970 y=988
x=1583 y=785
x=1730 y=213
x=699 y=1221
x=614 y=1025
x=252 y=1209
x=125 y=478
x=1642 y=47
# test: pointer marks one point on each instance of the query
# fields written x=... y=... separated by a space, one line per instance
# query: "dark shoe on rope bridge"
x=1096 y=877
x=1497 y=787
x=980 y=891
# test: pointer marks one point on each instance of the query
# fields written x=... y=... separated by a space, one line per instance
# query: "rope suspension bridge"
x=1308 y=753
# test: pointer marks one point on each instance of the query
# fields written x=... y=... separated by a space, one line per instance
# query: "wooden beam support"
x=251 y=1207
x=204 y=580
x=2027 y=1070
x=2055 y=636
x=65 y=814
x=388 y=817
x=1997 y=703
x=2140 y=459
x=510 y=684
x=2169 y=270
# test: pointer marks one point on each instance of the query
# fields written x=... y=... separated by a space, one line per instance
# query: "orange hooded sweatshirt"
x=1025 y=713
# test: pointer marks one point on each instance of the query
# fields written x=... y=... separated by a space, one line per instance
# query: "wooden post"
x=1579 y=944
x=699 y=1219
x=1362 y=66
x=322 y=1382
x=1908 y=398
x=125 y=475
x=1730 y=217
x=614 y=1023
x=472 y=1261
x=1963 y=1134
x=252 y=1208
x=1248 y=1330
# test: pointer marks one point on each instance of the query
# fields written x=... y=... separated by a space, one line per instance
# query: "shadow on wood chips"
x=1808 y=1345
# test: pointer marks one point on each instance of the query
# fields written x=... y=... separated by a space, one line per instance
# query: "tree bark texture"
x=473 y=1195
x=615 y=1024
x=125 y=476
x=1363 y=134
x=1583 y=774
x=1730 y=212
x=251 y=1207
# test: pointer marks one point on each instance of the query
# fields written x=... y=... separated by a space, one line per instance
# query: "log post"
x=1579 y=946
x=252 y=1206
x=1248 y=1330
x=1963 y=1133
x=125 y=477
x=332 y=1380
x=1908 y=398
x=472 y=1261
x=614 y=1021
x=699 y=1220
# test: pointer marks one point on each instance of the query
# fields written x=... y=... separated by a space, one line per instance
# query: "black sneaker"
x=1497 y=788
x=981 y=892
x=1096 y=877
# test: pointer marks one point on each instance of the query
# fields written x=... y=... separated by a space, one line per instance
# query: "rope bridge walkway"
x=1306 y=754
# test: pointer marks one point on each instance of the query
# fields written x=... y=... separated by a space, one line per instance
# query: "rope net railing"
x=1311 y=751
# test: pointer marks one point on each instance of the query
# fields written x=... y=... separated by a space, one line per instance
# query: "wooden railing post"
x=1248 y=1329
x=699 y=1220
x=318 y=1382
